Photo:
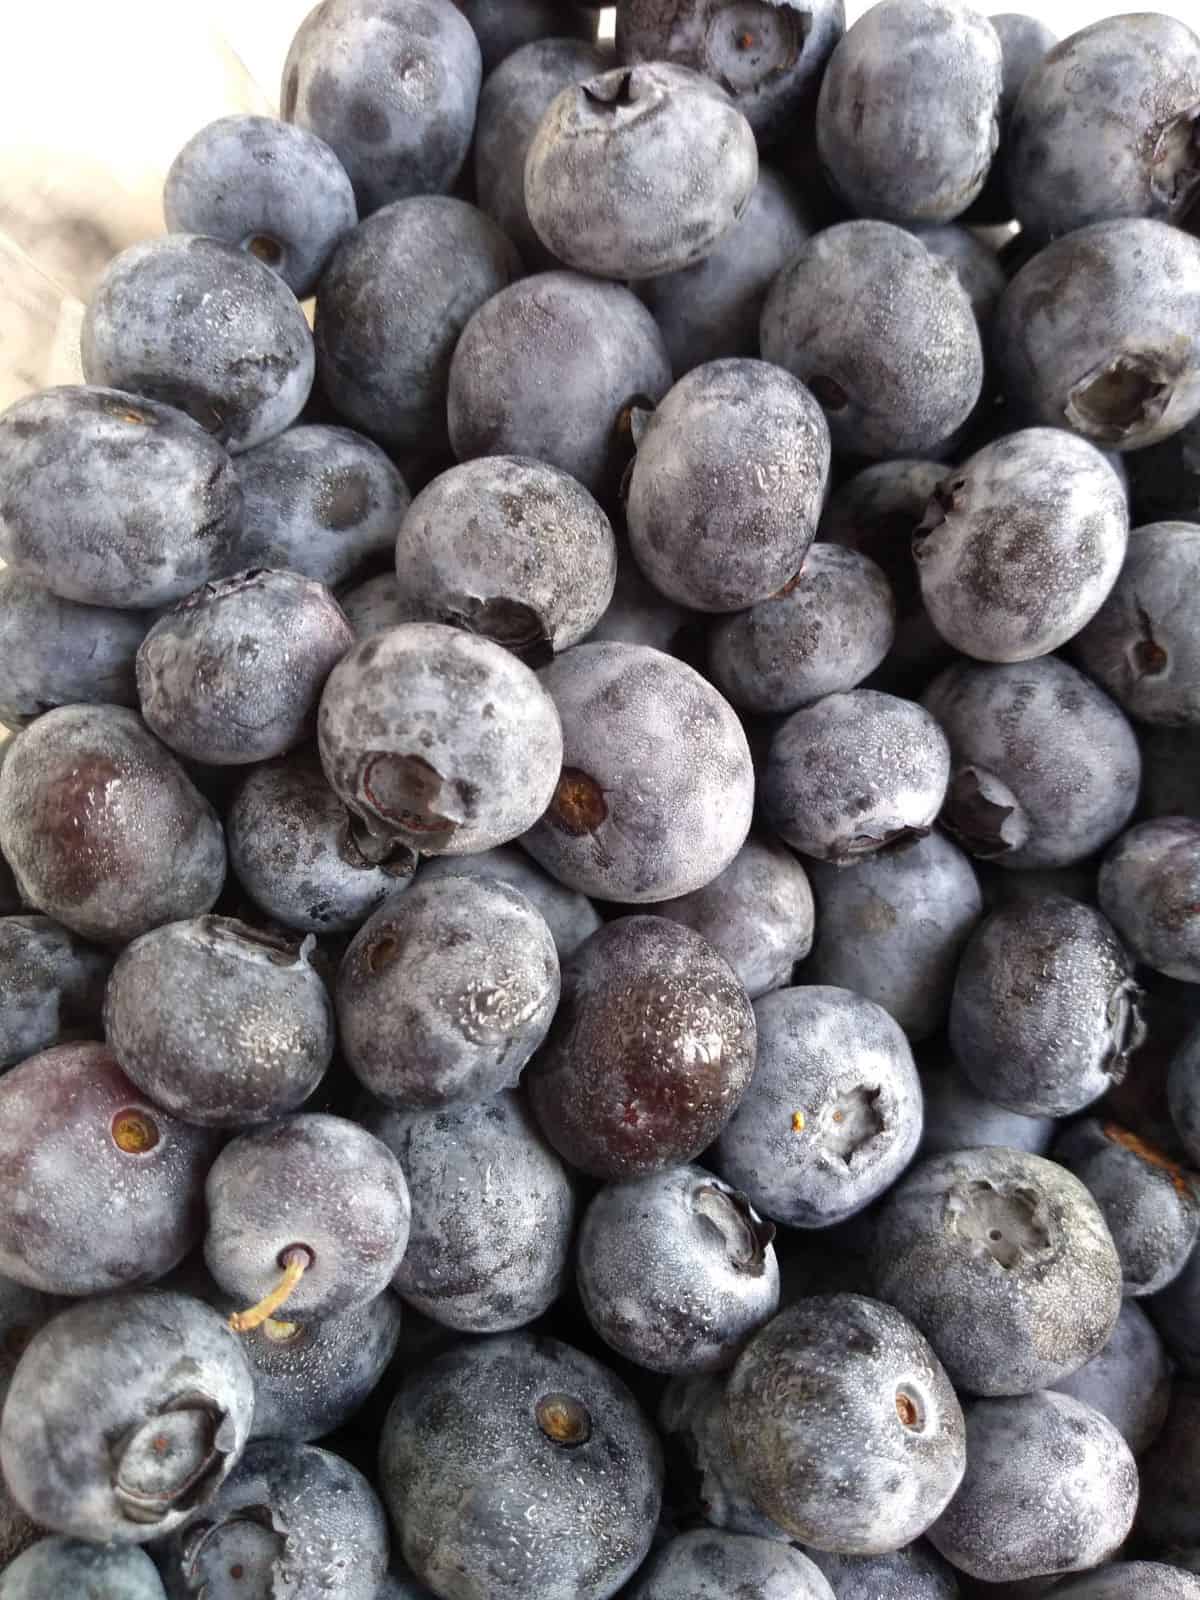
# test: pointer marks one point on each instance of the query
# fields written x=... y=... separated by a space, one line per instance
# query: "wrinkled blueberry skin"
x=51 y=986
x=91 y=806
x=639 y=171
x=1128 y=1381
x=691 y=1418
x=976 y=266
x=628 y=708
x=1149 y=889
x=958 y=1117
x=291 y=1519
x=1045 y=1011
x=57 y=1566
x=727 y=485
x=997 y=1531
x=570 y=916
x=510 y=548
x=389 y=314
x=706 y=1565
x=505 y=26
x=391 y=86
x=313 y=1180
x=201 y=326
x=882 y=332
x=55 y=652
x=1183 y=1091
x=548 y=368
x=108 y=1370
x=1020 y=546
x=233 y=674
x=915 y=1573
x=908 y=114
x=493 y=1213
x=463 y=1458
x=1011 y=1314
x=1103 y=127
x=1165 y=479
x=845 y=1425
x=1044 y=767
x=854 y=773
x=439 y=739
x=1132 y=1580
x=113 y=500
x=375 y=606
x=838 y=1066
x=651 y=1048
x=1088 y=334
x=267 y=187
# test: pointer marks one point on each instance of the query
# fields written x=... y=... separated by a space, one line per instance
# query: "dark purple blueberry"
x=85 y=1571
x=915 y=1573
x=707 y=1565
x=1128 y=1381
x=55 y=652
x=51 y=986
x=958 y=1117
x=570 y=916
x=1149 y=889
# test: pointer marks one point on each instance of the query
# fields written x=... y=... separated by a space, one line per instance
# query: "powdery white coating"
x=854 y=773
x=22 y=1312
x=915 y=1573
x=1100 y=333
x=1087 y=1490
x=1045 y=766
x=375 y=606
x=705 y=1565
x=727 y=485
x=1149 y=888
x=56 y=1566
x=51 y=986
x=1183 y=1090
x=691 y=1417
x=446 y=992
x=101 y=1371
x=893 y=928
x=657 y=788
x=1128 y=1381
x=975 y=264
x=505 y=26
x=570 y=916
x=1132 y=1580
x=202 y=326
x=55 y=652
x=1011 y=1314
x=1024 y=40
x=311 y=1180
x=845 y=1426
x=1021 y=545
x=958 y=1117
x=1168 y=1517
x=637 y=613
x=111 y=499
x=489 y=1506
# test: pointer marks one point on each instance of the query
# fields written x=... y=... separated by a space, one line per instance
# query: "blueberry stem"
x=295 y=1263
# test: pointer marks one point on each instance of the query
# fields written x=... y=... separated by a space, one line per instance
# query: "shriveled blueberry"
x=85 y=1571
x=639 y=171
x=51 y=986
x=958 y=1117
x=1132 y=1580
x=1100 y=332
x=274 y=190
x=1167 y=1516
x=627 y=709
x=1150 y=890
x=55 y=652
x=833 y=1113
x=1004 y=1262
x=691 y=1417
x=391 y=86
x=113 y=500
x=505 y=26
x=1020 y=546
x=125 y=1415
x=1044 y=767
x=883 y=334
x=570 y=916
x=651 y=1048
x=389 y=314
x=915 y=1573
x=1165 y=479
x=439 y=739
x=1128 y=1381
x=102 y=827
x=500 y=1435
x=706 y=1565
x=854 y=773
x=375 y=606
x=493 y=1213
x=975 y=264
x=908 y=115
x=995 y=1529
x=638 y=613
x=289 y=1516
x=200 y=325
x=550 y=368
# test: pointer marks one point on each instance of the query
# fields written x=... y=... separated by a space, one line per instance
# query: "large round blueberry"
x=55 y=652
x=1149 y=889
x=1128 y=1381
x=85 y=1571
x=570 y=916
x=707 y=1565
x=51 y=986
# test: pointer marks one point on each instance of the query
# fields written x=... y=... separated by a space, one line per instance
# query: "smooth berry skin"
x=1128 y=1381
x=691 y=1420
x=1024 y=40
x=915 y=1573
x=374 y=606
x=958 y=1117
x=976 y=266
x=505 y=26
x=51 y=986
x=638 y=614
x=85 y=1571
x=706 y=1565
x=56 y=652
x=1149 y=889
x=570 y=916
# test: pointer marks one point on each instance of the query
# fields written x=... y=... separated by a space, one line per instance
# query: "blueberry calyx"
x=173 y=1460
x=1122 y=397
x=358 y=847
x=578 y=806
x=511 y=623
x=411 y=795
x=746 y=1235
x=611 y=90
x=247 y=1542
x=982 y=814
x=1010 y=1224
x=564 y=1420
x=1175 y=161
x=1126 y=1028
x=890 y=840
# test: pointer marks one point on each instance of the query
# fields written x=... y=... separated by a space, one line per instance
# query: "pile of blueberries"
x=601 y=839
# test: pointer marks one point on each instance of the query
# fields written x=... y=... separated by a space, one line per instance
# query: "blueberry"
x=651 y=1048
x=1150 y=891
x=17 y=1532
x=113 y=500
x=705 y=1565
x=1004 y=1262
x=550 y=368
x=691 y=1419
x=1128 y=1381
x=22 y=1312
x=570 y=916
x=392 y=86
x=975 y=264
x=915 y=1573
x=505 y=26
x=1131 y=1580
x=288 y=1517
x=908 y=115
x=1105 y=127
x=893 y=929
x=274 y=190
x=1024 y=40
x=638 y=613
x=125 y=1415
x=57 y=1566
x=320 y=501
x=1165 y=479
x=996 y=1530
x=389 y=314
x=629 y=709
x=1087 y=335
x=958 y=1117
x=855 y=773
x=833 y=1113
x=493 y=1213
x=439 y=739
x=1167 y=1515
x=102 y=827
x=56 y=652
x=446 y=992
x=375 y=605
x=883 y=334
x=51 y=986
x=1183 y=1092
x=199 y=325
x=1044 y=767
